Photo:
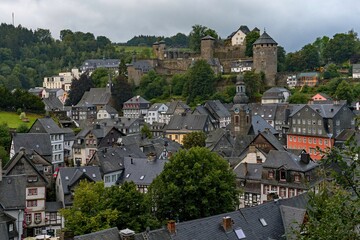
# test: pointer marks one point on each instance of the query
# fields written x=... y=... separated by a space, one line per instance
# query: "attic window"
x=93 y=175
x=240 y=233
x=263 y=222
x=128 y=175
x=142 y=177
x=66 y=178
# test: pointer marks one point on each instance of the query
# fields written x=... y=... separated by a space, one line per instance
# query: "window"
x=304 y=139
x=320 y=141
x=297 y=177
x=37 y=217
x=282 y=174
x=290 y=138
x=266 y=189
x=303 y=121
x=319 y=122
x=28 y=218
x=282 y=192
x=11 y=227
x=263 y=222
x=291 y=192
x=325 y=142
x=271 y=174
x=32 y=203
x=310 y=140
x=320 y=131
x=113 y=178
x=314 y=141
x=337 y=122
x=299 y=139
x=107 y=179
x=309 y=122
x=32 y=191
x=304 y=130
x=53 y=216
x=299 y=121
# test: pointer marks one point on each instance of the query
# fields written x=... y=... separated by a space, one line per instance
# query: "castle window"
x=237 y=120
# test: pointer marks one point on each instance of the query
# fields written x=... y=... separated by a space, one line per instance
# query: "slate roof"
x=53 y=206
x=243 y=28
x=143 y=65
x=308 y=74
x=40 y=142
x=325 y=110
x=274 y=93
x=208 y=37
x=137 y=99
x=176 y=104
x=111 y=159
x=155 y=107
x=107 y=234
x=241 y=143
x=71 y=175
x=272 y=140
x=246 y=219
x=50 y=125
x=217 y=109
x=260 y=125
x=53 y=103
x=188 y=121
x=141 y=170
x=15 y=189
x=264 y=39
x=276 y=159
x=292 y=219
x=254 y=171
x=95 y=96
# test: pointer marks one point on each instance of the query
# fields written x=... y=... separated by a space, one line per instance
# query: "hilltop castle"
x=221 y=58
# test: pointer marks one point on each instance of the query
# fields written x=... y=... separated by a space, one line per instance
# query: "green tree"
x=281 y=55
x=197 y=33
x=134 y=210
x=145 y=131
x=177 y=84
x=254 y=85
x=100 y=77
x=22 y=128
x=298 y=98
x=194 y=139
x=344 y=91
x=194 y=184
x=90 y=212
x=250 y=38
x=78 y=88
x=311 y=57
x=4 y=156
x=341 y=47
x=332 y=214
x=201 y=82
x=152 y=85
x=5 y=137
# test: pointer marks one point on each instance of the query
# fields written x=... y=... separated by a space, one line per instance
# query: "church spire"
x=240 y=96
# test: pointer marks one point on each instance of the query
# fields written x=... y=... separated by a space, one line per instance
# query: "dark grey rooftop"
x=50 y=125
x=96 y=96
x=15 y=189
x=264 y=39
x=107 y=234
x=53 y=206
x=40 y=142
x=188 y=121
x=141 y=170
x=276 y=159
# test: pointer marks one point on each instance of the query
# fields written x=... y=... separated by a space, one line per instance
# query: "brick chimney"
x=171 y=227
x=227 y=223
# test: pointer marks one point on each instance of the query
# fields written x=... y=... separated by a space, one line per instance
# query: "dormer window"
x=297 y=177
x=271 y=174
x=282 y=175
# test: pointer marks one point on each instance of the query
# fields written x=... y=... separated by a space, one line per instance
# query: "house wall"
x=265 y=60
x=238 y=38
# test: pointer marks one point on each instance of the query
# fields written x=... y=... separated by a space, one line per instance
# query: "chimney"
x=227 y=224
x=171 y=227
x=127 y=234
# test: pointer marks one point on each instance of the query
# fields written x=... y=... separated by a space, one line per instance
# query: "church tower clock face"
x=236 y=110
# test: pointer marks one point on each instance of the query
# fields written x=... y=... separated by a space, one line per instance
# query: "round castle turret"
x=265 y=58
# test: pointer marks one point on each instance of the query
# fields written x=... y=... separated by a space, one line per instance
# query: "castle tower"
x=162 y=47
x=155 y=48
x=265 y=58
x=240 y=113
x=207 y=47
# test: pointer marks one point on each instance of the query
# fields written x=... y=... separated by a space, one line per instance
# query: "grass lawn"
x=13 y=121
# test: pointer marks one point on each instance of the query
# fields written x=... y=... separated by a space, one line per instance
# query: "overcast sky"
x=292 y=23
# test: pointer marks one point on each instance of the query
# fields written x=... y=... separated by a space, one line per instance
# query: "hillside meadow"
x=13 y=121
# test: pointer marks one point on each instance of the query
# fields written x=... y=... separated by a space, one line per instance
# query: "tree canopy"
x=194 y=184
x=197 y=33
x=250 y=38
x=194 y=139
x=96 y=208
x=78 y=88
